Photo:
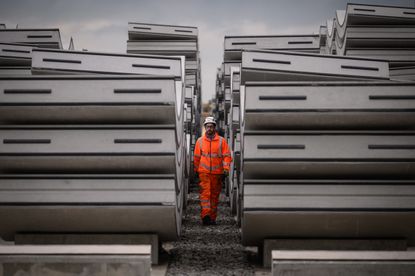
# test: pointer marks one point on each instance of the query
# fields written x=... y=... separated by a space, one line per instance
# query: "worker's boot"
x=206 y=220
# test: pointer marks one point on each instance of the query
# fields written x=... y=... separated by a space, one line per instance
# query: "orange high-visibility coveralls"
x=211 y=158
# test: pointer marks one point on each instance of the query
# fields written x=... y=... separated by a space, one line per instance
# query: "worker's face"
x=210 y=129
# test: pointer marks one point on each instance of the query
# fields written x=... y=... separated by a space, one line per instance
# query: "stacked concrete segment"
x=13 y=54
x=234 y=45
x=380 y=32
x=88 y=150
x=170 y=40
x=15 y=59
x=43 y=38
x=227 y=106
x=263 y=68
x=327 y=141
x=310 y=123
x=16 y=48
x=314 y=131
x=329 y=105
x=108 y=137
x=289 y=66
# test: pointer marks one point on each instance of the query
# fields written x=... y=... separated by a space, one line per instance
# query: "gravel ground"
x=209 y=250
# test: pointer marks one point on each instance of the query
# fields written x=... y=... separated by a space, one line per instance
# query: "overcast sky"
x=101 y=25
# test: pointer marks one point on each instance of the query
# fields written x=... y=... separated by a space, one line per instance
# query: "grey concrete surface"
x=342 y=263
x=69 y=260
x=119 y=239
x=327 y=244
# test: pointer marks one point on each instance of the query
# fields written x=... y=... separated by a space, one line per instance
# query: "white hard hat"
x=209 y=120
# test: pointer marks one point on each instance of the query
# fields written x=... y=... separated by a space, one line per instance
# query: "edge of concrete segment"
x=329 y=244
x=359 y=263
x=343 y=255
x=93 y=239
x=61 y=249
x=79 y=259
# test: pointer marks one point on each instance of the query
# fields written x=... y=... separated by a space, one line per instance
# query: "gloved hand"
x=225 y=175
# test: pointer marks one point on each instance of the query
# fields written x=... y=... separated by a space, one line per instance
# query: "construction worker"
x=212 y=160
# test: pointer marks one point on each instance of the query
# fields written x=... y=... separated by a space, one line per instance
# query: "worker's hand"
x=225 y=173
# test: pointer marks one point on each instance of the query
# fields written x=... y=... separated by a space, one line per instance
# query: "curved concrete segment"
x=88 y=150
x=15 y=55
x=234 y=45
x=146 y=31
x=43 y=38
x=329 y=155
x=89 y=204
x=291 y=66
x=325 y=105
x=327 y=209
x=88 y=99
x=76 y=62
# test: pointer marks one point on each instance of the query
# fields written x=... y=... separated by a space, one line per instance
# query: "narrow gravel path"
x=209 y=250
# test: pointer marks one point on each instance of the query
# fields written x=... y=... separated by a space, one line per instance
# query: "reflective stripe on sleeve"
x=220 y=146
x=201 y=144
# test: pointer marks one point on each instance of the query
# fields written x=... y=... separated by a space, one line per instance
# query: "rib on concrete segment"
x=360 y=263
x=75 y=249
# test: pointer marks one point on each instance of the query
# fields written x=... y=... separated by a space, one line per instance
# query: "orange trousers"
x=210 y=187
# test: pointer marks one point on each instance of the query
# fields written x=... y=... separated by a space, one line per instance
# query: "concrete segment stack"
x=15 y=59
x=380 y=32
x=326 y=141
x=173 y=40
x=229 y=82
x=16 y=48
x=91 y=142
x=345 y=136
